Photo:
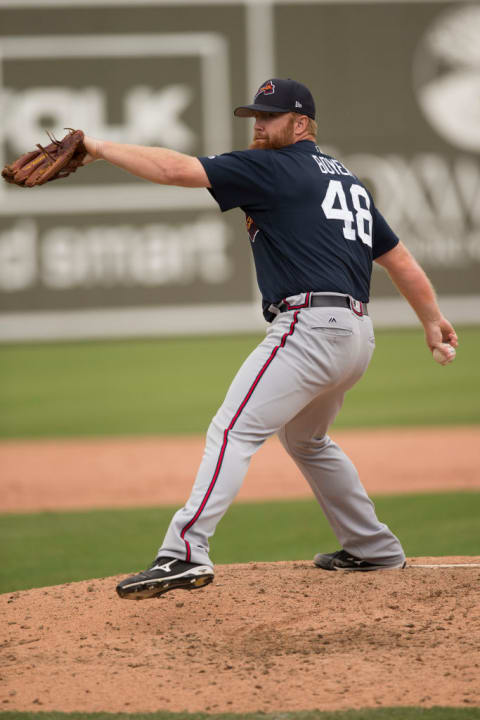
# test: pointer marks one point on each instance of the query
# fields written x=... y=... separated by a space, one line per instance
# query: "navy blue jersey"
x=312 y=225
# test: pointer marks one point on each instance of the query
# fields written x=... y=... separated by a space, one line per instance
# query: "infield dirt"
x=262 y=637
x=148 y=471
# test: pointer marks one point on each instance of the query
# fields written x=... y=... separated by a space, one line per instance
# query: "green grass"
x=175 y=385
x=398 y=713
x=53 y=548
x=164 y=386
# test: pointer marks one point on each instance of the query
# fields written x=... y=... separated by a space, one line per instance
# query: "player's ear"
x=300 y=124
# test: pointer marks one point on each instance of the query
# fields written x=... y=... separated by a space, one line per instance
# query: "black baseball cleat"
x=165 y=574
x=342 y=560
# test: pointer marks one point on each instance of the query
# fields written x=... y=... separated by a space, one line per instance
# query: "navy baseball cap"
x=279 y=96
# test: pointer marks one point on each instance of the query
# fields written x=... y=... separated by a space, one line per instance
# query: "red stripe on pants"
x=225 y=435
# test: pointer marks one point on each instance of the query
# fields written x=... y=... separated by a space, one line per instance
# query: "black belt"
x=356 y=306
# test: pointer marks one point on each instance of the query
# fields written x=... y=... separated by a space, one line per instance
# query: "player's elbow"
x=186 y=172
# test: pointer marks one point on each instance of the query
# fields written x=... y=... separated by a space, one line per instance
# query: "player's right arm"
x=159 y=165
x=415 y=286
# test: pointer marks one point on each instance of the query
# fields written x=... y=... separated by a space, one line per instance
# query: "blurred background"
x=104 y=254
x=99 y=273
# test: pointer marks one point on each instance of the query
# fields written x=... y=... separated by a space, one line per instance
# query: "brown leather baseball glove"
x=57 y=160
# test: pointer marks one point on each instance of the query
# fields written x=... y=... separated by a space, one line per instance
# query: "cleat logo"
x=332 y=320
x=167 y=567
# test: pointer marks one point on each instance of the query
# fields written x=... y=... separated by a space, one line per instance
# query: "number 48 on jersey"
x=336 y=207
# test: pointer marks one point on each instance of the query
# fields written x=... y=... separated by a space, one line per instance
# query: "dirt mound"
x=262 y=637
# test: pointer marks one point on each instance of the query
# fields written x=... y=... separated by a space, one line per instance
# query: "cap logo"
x=298 y=104
x=267 y=89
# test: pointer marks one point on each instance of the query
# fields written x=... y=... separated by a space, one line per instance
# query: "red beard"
x=281 y=139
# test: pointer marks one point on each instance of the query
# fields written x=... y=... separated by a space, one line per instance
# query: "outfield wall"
x=105 y=255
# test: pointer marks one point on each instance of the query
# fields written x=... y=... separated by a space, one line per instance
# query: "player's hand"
x=438 y=332
x=93 y=148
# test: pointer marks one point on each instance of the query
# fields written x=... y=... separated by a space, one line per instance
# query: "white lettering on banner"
x=108 y=256
x=152 y=255
x=446 y=73
x=431 y=202
x=150 y=116
x=18 y=256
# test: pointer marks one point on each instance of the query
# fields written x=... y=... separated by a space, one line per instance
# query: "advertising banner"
x=105 y=254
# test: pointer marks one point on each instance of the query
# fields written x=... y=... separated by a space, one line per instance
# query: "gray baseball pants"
x=292 y=384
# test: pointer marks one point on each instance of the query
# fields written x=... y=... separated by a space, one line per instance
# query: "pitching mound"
x=263 y=636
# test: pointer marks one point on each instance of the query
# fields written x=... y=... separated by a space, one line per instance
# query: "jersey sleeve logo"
x=267 y=89
x=251 y=228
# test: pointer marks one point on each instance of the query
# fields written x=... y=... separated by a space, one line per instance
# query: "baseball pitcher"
x=314 y=231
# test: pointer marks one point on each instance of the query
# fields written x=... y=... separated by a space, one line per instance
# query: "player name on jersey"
x=330 y=166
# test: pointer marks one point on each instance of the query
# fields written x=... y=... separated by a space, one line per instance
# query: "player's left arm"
x=413 y=283
x=159 y=165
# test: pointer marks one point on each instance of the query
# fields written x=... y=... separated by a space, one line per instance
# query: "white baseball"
x=439 y=356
